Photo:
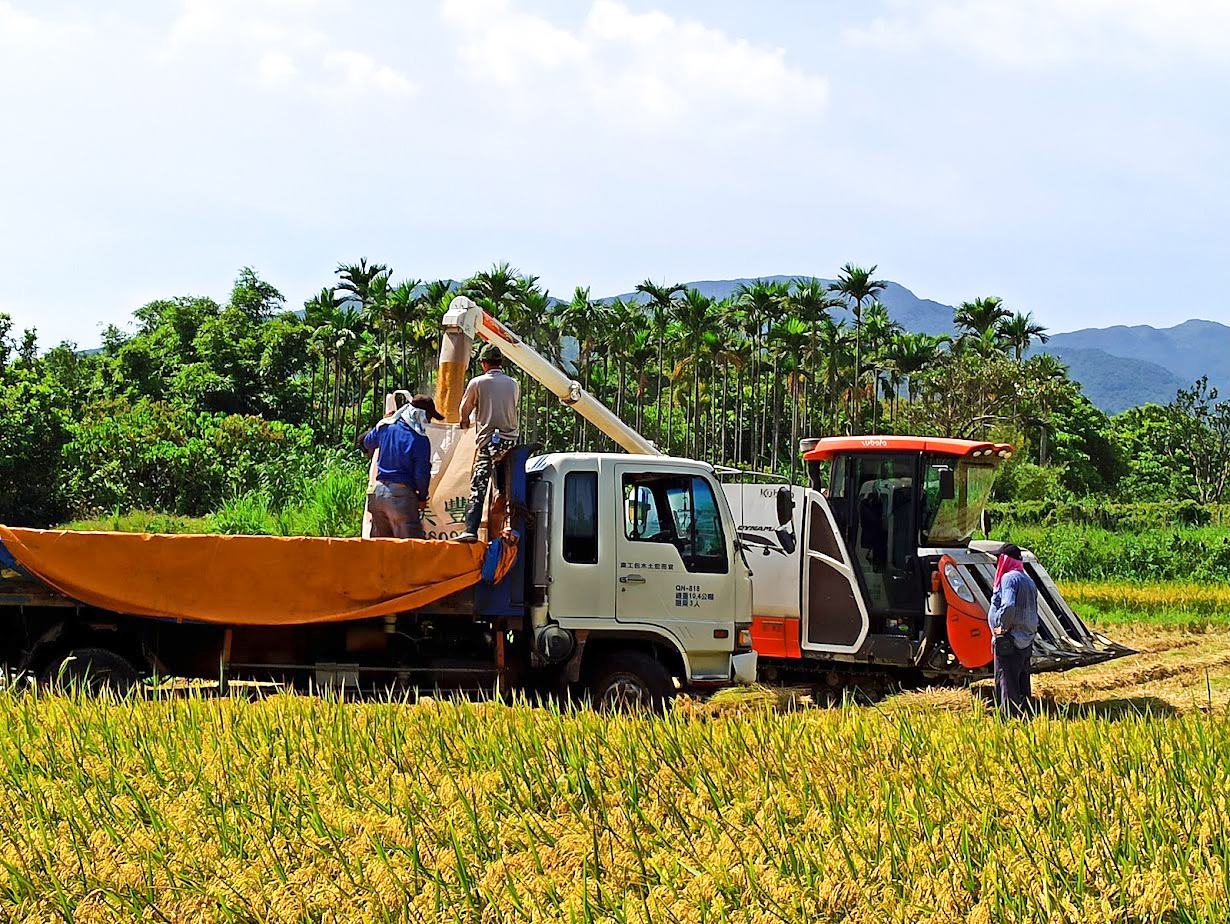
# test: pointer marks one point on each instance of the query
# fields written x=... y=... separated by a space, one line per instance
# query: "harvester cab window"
x=950 y=512
x=679 y=510
x=873 y=501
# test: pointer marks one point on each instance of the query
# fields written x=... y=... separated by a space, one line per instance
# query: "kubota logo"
x=875 y=444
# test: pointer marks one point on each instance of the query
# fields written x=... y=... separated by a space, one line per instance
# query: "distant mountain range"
x=1118 y=367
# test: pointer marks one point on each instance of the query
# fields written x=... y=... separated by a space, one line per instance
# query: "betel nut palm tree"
x=980 y=316
x=1019 y=332
x=661 y=304
x=810 y=301
x=857 y=285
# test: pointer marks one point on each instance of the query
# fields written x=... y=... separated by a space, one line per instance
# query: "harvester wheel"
x=92 y=670
x=629 y=681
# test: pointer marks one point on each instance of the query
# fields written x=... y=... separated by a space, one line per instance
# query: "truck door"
x=673 y=556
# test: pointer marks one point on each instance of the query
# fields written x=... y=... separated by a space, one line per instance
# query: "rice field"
x=1169 y=602
x=1109 y=806
x=300 y=809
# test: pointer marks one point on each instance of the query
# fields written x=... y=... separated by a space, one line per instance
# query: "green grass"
x=1108 y=616
x=140 y=521
x=1087 y=553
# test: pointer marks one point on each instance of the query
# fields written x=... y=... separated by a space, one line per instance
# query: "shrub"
x=32 y=435
x=1024 y=481
x=154 y=455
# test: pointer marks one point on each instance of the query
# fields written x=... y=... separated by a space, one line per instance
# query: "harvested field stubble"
x=302 y=809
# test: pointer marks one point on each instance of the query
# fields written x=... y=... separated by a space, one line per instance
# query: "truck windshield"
x=950 y=521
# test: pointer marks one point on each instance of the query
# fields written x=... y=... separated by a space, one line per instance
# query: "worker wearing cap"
x=490 y=400
x=403 y=470
x=1013 y=618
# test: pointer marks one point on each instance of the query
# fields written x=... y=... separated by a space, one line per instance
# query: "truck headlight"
x=952 y=577
x=743 y=638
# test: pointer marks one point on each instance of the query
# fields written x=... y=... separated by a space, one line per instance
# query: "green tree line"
x=200 y=400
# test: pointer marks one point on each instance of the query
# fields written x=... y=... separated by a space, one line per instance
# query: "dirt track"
x=1175 y=670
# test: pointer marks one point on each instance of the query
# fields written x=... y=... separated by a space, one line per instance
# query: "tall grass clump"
x=249 y=514
x=299 y=809
x=332 y=505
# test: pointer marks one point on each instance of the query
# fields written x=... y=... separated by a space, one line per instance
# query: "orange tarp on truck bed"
x=245 y=580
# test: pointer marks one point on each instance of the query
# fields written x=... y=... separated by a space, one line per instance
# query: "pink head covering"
x=1009 y=560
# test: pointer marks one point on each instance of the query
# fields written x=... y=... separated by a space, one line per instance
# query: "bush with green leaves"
x=1021 y=480
x=1092 y=511
x=159 y=456
x=33 y=428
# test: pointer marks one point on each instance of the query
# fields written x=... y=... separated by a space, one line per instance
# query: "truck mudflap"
x=743 y=668
x=1064 y=640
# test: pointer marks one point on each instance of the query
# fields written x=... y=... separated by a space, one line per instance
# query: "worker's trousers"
x=488 y=458
x=395 y=512
x=1012 y=686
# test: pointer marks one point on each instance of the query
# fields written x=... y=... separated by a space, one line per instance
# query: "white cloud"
x=361 y=74
x=276 y=67
x=276 y=43
x=1042 y=33
x=633 y=69
x=26 y=35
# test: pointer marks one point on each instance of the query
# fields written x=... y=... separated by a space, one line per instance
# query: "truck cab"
x=639 y=553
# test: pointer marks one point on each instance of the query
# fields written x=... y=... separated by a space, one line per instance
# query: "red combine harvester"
x=870 y=576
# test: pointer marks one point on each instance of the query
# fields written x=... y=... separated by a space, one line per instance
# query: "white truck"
x=628 y=583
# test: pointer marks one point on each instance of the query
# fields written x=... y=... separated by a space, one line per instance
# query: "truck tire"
x=630 y=681
x=92 y=670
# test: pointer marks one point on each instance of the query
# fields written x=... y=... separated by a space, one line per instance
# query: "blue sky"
x=1066 y=155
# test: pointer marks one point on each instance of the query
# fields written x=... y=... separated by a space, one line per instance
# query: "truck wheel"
x=92 y=670
x=629 y=681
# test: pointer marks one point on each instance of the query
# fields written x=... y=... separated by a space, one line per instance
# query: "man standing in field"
x=491 y=399
x=403 y=470
x=1013 y=618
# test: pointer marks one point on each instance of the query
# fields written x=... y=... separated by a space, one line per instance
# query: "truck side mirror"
x=948 y=484
x=637 y=510
x=785 y=506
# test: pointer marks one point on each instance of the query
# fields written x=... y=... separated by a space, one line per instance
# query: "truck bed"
x=233 y=580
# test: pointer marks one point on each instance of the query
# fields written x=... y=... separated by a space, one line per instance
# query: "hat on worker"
x=491 y=355
x=428 y=404
x=1011 y=550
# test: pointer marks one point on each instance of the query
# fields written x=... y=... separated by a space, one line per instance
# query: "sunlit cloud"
x=633 y=69
x=1043 y=33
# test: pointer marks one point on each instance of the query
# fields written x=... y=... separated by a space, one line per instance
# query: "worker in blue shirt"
x=1013 y=618
x=403 y=470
